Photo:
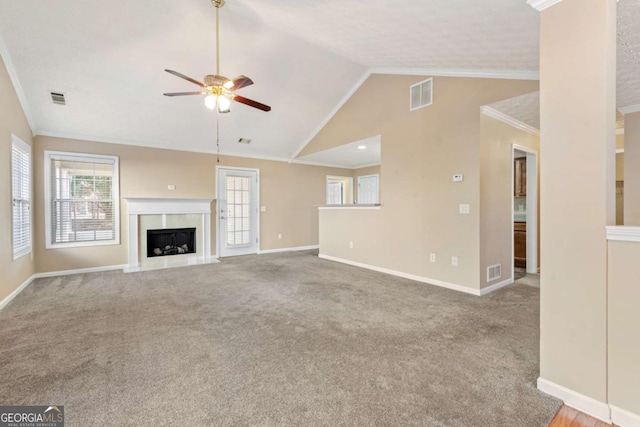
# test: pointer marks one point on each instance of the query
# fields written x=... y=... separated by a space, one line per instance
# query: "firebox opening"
x=171 y=241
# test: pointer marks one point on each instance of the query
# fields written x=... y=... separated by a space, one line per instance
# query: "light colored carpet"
x=271 y=340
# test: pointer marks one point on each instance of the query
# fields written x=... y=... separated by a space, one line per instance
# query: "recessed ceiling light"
x=362 y=147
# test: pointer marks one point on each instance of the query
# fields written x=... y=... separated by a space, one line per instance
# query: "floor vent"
x=421 y=94
x=58 y=98
x=494 y=272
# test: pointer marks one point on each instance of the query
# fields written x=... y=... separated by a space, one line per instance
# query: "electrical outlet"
x=263 y=208
x=464 y=209
x=171 y=187
x=350 y=245
x=432 y=257
x=280 y=236
x=454 y=261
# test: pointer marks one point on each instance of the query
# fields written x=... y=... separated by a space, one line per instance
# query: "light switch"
x=464 y=209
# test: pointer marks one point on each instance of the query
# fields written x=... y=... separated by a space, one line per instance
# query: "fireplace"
x=171 y=241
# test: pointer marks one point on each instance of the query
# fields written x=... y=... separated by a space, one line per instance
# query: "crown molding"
x=483 y=74
x=331 y=165
x=15 y=81
x=333 y=112
x=495 y=114
x=541 y=5
x=629 y=109
x=141 y=144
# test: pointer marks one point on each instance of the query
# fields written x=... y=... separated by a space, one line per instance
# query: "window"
x=21 y=194
x=82 y=201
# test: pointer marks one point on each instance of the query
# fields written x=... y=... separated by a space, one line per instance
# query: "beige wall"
x=577 y=50
x=12 y=121
x=496 y=193
x=371 y=170
x=290 y=192
x=421 y=151
x=623 y=332
x=631 y=169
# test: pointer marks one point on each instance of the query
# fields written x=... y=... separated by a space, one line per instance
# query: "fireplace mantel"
x=165 y=206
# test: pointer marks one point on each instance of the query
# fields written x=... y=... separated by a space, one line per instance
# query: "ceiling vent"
x=421 y=94
x=244 y=141
x=58 y=98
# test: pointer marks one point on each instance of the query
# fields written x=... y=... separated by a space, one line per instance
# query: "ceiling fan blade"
x=182 y=76
x=183 y=93
x=251 y=103
x=240 y=82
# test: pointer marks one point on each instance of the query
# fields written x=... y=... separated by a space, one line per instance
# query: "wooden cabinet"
x=520 y=244
x=520 y=177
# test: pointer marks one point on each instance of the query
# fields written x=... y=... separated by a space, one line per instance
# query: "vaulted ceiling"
x=305 y=57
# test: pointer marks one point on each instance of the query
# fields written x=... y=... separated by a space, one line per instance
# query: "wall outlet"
x=432 y=257
x=458 y=177
x=454 y=261
x=350 y=245
x=263 y=208
x=464 y=209
x=171 y=187
x=280 y=236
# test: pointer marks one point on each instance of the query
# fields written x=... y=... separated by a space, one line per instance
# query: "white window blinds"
x=82 y=199
x=21 y=195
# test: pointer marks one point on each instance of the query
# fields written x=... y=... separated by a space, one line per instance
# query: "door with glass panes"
x=237 y=211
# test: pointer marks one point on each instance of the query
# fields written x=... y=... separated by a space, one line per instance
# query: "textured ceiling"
x=303 y=55
x=524 y=108
x=348 y=155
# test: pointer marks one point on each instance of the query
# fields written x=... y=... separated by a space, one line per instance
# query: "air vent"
x=421 y=94
x=244 y=141
x=58 y=98
x=494 y=272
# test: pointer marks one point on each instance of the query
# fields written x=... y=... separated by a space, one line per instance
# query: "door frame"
x=258 y=210
x=377 y=175
x=532 y=207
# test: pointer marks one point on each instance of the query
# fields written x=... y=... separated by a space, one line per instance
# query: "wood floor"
x=569 y=417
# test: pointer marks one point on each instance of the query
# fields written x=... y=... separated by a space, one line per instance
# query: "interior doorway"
x=339 y=190
x=237 y=211
x=525 y=209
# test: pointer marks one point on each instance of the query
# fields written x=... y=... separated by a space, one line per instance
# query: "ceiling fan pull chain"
x=217 y=136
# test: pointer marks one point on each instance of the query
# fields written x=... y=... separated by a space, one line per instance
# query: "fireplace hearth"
x=171 y=241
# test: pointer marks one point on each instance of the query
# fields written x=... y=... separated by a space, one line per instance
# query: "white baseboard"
x=297 y=248
x=582 y=403
x=623 y=418
x=16 y=291
x=496 y=286
x=81 y=271
x=435 y=282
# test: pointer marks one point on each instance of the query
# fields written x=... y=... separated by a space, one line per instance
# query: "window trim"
x=21 y=145
x=115 y=191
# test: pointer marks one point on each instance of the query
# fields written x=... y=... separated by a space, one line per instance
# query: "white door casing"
x=368 y=189
x=237 y=211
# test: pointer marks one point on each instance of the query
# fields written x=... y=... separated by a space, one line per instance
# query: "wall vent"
x=494 y=272
x=421 y=94
x=244 y=141
x=58 y=98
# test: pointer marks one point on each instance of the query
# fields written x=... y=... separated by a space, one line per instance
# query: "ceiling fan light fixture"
x=224 y=104
x=210 y=101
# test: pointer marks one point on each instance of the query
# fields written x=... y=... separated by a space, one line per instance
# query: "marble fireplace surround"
x=164 y=206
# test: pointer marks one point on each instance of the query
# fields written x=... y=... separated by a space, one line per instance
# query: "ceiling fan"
x=219 y=91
